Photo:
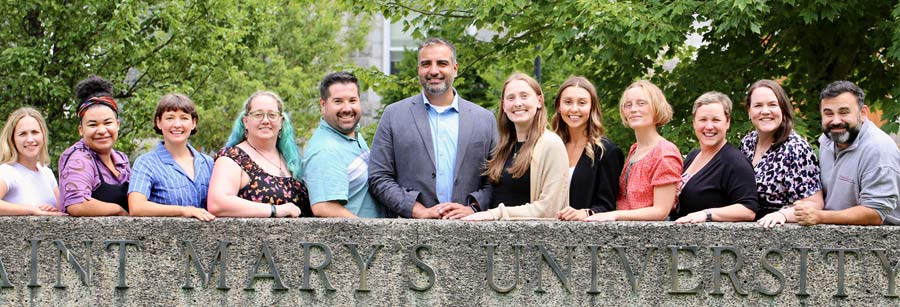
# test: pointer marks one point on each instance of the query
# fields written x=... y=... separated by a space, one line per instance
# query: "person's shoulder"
x=732 y=154
x=796 y=142
x=475 y=108
x=321 y=141
x=608 y=145
x=880 y=141
x=76 y=152
x=403 y=103
x=231 y=152
x=551 y=139
x=46 y=171
x=668 y=148
x=121 y=157
x=145 y=160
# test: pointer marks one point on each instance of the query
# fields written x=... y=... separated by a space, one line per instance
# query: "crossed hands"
x=447 y=211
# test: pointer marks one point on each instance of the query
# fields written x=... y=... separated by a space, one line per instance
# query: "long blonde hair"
x=594 y=130
x=507 y=128
x=8 y=152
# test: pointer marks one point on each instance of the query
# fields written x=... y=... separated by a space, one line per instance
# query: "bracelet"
x=273 y=211
x=589 y=211
x=782 y=214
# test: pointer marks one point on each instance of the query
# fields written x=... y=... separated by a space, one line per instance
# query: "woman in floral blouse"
x=785 y=166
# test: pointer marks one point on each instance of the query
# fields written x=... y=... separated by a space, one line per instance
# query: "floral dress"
x=265 y=188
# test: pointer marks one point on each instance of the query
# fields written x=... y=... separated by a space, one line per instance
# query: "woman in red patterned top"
x=652 y=173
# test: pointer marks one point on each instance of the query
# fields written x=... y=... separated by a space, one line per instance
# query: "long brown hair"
x=784 y=104
x=594 y=130
x=508 y=135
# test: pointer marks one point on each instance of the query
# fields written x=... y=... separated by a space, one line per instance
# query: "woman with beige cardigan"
x=529 y=170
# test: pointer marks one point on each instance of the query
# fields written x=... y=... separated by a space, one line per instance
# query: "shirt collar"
x=114 y=155
x=324 y=125
x=454 y=105
x=166 y=157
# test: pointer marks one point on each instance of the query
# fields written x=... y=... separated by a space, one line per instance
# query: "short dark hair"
x=438 y=41
x=336 y=77
x=837 y=88
x=175 y=102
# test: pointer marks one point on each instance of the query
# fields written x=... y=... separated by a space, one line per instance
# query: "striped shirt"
x=157 y=176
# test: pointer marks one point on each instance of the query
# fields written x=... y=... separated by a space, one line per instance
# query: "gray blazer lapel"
x=420 y=117
x=466 y=126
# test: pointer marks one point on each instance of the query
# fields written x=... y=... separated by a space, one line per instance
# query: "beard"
x=847 y=137
x=436 y=89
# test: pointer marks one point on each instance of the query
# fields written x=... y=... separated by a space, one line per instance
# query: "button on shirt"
x=444 y=123
x=337 y=169
x=157 y=176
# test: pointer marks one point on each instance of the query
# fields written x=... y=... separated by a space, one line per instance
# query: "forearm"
x=856 y=215
x=8 y=208
x=234 y=206
x=388 y=192
x=93 y=207
x=732 y=213
x=654 y=213
x=331 y=209
x=149 y=208
x=483 y=194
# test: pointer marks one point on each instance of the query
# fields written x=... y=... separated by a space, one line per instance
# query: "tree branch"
x=451 y=14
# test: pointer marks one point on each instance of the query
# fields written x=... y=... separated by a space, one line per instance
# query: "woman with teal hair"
x=258 y=173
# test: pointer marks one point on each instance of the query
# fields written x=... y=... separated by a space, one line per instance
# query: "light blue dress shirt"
x=157 y=176
x=444 y=136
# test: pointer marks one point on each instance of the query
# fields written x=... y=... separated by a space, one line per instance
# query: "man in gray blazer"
x=428 y=153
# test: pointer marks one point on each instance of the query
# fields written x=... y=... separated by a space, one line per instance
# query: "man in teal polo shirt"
x=337 y=156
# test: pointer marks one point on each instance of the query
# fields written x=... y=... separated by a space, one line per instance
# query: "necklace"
x=516 y=147
x=280 y=169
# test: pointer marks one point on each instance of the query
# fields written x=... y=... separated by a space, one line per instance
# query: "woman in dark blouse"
x=594 y=162
x=717 y=182
x=258 y=173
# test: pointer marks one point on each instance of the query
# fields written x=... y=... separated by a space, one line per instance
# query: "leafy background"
x=220 y=51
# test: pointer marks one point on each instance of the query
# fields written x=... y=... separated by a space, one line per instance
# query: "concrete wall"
x=441 y=263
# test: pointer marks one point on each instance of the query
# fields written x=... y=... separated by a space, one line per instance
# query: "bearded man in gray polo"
x=860 y=164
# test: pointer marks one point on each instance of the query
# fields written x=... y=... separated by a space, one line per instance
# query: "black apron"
x=110 y=193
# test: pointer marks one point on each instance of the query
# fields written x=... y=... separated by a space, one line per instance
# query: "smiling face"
x=436 y=69
x=575 y=107
x=637 y=109
x=176 y=126
x=263 y=107
x=99 y=128
x=841 y=118
x=521 y=103
x=28 y=138
x=342 y=110
x=764 y=111
x=710 y=125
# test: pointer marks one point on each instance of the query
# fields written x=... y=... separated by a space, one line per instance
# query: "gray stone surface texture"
x=526 y=263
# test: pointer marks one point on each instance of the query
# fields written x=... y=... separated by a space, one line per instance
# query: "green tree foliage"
x=804 y=43
x=216 y=52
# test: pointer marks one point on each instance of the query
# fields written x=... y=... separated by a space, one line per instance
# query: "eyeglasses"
x=258 y=116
